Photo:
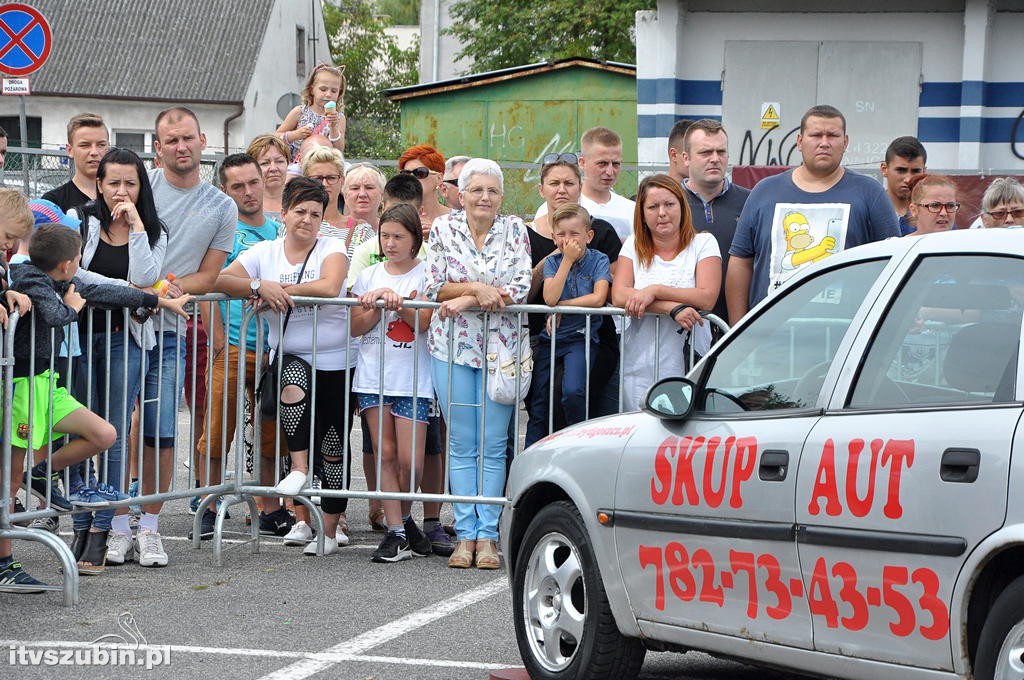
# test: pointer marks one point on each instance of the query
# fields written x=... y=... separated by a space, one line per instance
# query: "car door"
x=908 y=470
x=704 y=516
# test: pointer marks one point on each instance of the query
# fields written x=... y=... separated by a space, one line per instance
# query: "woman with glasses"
x=327 y=166
x=933 y=204
x=426 y=164
x=1003 y=204
x=476 y=260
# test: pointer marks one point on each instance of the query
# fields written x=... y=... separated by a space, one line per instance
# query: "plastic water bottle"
x=161 y=286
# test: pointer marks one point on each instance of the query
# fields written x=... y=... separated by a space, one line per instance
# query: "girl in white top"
x=396 y=408
x=663 y=268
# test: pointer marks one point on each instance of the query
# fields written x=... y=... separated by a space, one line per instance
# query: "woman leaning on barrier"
x=301 y=264
x=475 y=258
x=663 y=268
x=125 y=242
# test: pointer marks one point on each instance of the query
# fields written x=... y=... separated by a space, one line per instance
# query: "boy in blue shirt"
x=574 y=276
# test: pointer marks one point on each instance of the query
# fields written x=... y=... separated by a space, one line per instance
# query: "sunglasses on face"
x=453 y=182
x=421 y=172
x=566 y=157
x=1000 y=215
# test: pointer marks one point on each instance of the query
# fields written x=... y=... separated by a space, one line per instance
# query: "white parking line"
x=328 y=657
x=389 y=631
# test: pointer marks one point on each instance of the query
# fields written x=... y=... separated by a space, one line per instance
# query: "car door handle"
x=774 y=466
x=960 y=466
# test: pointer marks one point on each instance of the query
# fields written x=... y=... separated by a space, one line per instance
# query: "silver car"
x=832 y=489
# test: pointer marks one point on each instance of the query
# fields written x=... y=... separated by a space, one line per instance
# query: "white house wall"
x=133 y=116
x=966 y=113
x=275 y=73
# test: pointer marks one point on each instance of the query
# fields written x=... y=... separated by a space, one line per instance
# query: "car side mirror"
x=670 y=399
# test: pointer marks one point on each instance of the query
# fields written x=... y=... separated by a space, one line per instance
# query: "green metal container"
x=516 y=116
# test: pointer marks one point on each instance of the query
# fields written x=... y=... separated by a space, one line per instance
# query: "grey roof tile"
x=165 y=50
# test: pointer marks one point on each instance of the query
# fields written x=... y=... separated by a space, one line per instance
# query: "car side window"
x=951 y=336
x=779 y=360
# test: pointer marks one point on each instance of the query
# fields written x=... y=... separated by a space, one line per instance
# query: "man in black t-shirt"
x=715 y=202
x=88 y=141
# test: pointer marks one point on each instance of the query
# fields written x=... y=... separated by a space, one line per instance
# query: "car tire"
x=559 y=599
x=1000 y=653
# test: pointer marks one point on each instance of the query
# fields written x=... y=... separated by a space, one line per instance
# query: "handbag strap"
x=288 y=315
x=501 y=266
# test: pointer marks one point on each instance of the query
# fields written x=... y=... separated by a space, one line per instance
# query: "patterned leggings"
x=331 y=460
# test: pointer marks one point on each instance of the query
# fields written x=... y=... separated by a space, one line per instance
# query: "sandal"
x=376 y=519
x=462 y=558
x=487 y=555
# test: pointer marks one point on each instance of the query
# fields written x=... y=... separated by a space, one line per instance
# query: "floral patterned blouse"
x=452 y=257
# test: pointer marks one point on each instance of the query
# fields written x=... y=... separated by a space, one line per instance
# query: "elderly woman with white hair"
x=476 y=259
x=1003 y=204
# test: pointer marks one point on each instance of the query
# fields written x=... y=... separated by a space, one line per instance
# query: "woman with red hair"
x=426 y=164
x=664 y=267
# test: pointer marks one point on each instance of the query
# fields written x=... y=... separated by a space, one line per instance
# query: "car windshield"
x=780 y=360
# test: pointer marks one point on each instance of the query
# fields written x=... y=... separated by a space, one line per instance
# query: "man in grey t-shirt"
x=200 y=222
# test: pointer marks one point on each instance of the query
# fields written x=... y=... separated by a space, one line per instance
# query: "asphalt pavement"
x=280 y=615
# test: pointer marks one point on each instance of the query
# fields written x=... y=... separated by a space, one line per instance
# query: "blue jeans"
x=572 y=353
x=93 y=371
x=165 y=378
x=473 y=521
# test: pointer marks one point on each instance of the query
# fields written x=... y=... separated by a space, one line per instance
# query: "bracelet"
x=677 y=309
x=332 y=140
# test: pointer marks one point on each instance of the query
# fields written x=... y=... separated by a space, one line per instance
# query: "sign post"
x=25 y=43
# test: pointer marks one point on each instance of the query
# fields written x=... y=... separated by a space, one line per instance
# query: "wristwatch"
x=254 y=286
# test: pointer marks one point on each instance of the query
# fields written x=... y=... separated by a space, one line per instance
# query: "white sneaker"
x=292 y=484
x=340 y=537
x=120 y=548
x=300 y=534
x=330 y=545
x=151 y=549
x=315 y=485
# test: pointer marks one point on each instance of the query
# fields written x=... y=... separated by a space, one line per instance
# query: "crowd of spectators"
x=290 y=218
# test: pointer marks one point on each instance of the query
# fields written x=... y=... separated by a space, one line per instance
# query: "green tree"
x=373 y=62
x=498 y=35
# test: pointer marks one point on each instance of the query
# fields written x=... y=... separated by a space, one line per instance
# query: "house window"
x=129 y=139
x=300 y=51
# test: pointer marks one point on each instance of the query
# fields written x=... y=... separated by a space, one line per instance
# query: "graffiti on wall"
x=773 y=147
x=1015 y=147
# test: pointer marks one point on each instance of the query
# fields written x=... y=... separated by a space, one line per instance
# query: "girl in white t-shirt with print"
x=404 y=365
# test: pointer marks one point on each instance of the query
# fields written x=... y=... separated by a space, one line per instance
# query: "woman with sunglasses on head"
x=426 y=164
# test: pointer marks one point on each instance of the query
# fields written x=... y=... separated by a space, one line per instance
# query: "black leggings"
x=331 y=459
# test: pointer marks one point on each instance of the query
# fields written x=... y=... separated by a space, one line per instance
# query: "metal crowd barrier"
x=238 y=488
